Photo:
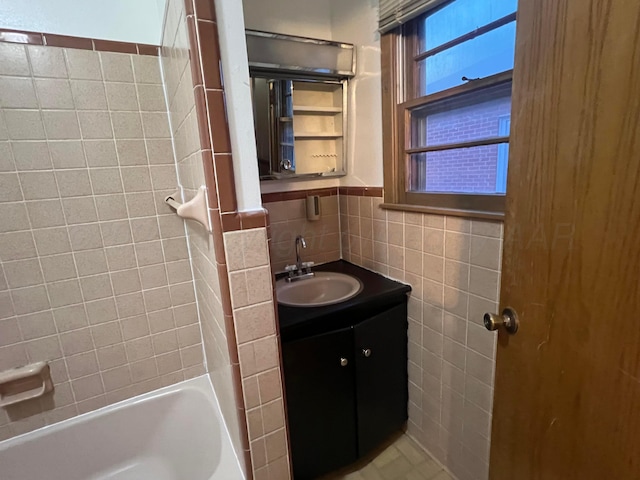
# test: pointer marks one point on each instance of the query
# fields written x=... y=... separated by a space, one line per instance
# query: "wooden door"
x=321 y=402
x=567 y=390
x=381 y=377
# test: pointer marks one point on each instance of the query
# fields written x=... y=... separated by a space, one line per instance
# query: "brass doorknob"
x=366 y=352
x=508 y=320
x=344 y=362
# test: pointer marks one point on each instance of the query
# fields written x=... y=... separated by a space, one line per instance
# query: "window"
x=451 y=125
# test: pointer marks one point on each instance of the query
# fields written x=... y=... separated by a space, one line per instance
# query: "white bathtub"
x=175 y=433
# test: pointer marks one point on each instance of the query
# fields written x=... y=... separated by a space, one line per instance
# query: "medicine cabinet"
x=300 y=108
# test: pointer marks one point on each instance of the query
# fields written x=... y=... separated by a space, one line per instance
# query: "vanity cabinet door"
x=381 y=376
x=319 y=377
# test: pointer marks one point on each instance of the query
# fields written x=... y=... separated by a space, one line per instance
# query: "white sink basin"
x=326 y=288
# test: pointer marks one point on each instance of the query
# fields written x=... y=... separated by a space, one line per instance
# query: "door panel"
x=567 y=389
x=381 y=377
x=320 y=402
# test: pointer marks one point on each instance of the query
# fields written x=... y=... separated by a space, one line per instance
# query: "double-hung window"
x=447 y=103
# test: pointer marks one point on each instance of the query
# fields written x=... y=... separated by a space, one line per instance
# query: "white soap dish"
x=24 y=383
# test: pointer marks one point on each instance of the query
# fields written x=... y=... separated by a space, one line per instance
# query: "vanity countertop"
x=378 y=293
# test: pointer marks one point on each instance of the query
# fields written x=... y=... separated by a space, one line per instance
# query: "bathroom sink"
x=325 y=288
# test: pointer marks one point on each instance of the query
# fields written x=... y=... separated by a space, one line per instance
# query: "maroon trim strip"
x=119 y=47
x=323 y=192
x=68 y=42
x=82 y=43
x=298 y=194
x=144 y=49
x=18 y=36
x=362 y=191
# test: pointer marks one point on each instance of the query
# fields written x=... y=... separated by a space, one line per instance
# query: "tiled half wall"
x=95 y=274
x=453 y=266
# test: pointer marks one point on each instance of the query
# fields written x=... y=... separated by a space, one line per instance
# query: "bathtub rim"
x=201 y=384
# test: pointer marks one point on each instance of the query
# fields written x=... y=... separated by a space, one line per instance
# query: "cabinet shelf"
x=307 y=135
x=316 y=109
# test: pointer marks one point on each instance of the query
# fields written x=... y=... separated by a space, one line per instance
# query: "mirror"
x=299 y=125
x=299 y=92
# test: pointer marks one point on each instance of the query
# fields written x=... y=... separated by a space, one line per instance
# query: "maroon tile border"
x=256 y=219
x=68 y=42
x=119 y=47
x=361 y=191
x=205 y=10
x=203 y=119
x=144 y=49
x=223 y=164
x=82 y=43
x=209 y=175
x=218 y=240
x=218 y=119
x=298 y=194
x=17 y=36
x=233 y=221
x=194 y=51
x=208 y=35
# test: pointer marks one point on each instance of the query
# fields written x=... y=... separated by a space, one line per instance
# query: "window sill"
x=499 y=217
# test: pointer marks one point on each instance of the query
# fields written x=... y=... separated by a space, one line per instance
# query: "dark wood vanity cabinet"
x=346 y=391
x=320 y=402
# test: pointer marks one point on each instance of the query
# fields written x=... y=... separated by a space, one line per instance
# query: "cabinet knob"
x=344 y=362
x=366 y=352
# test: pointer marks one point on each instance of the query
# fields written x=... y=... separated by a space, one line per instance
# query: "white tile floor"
x=401 y=460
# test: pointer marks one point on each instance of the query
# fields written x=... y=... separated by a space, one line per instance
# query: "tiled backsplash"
x=289 y=218
x=95 y=274
x=453 y=266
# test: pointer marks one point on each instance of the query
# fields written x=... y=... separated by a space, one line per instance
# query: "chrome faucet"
x=301 y=269
x=299 y=241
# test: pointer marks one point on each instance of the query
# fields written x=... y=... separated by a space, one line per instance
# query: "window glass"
x=473 y=116
x=477 y=170
x=456 y=145
x=458 y=18
x=480 y=57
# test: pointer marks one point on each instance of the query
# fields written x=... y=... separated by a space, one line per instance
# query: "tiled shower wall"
x=453 y=266
x=95 y=273
x=180 y=92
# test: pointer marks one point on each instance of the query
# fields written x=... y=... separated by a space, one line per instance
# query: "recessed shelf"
x=316 y=109
x=317 y=135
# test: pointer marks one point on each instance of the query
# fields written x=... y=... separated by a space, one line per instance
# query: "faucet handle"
x=290 y=268
x=308 y=264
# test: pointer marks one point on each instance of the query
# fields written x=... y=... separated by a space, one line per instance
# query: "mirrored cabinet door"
x=300 y=127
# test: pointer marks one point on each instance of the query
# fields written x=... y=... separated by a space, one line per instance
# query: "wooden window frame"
x=399 y=57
